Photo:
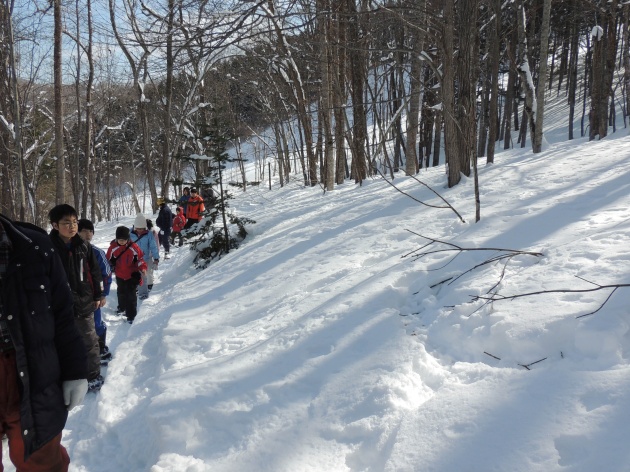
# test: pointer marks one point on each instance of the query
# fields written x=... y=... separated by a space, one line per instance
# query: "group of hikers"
x=53 y=339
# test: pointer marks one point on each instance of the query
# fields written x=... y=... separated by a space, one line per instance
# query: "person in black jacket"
x=43 y=369
x=165 y=223
x=84 y=277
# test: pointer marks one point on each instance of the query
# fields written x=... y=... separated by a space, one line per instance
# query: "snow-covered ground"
x=317 y=346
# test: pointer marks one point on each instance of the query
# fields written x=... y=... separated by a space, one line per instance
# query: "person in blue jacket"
x=86 y=231
x=146 y=241
x=183 y=200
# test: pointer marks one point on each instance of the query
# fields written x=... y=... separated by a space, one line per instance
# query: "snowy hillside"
x=317 y=346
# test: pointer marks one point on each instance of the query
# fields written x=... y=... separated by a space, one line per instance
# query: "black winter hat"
x=122 y=232
x=85 y=224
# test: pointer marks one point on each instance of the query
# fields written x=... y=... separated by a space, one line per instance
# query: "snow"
x=316 y=346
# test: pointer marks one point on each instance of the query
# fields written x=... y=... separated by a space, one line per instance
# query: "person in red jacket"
x=179 y=222
x=195 y=208
x=127 y=260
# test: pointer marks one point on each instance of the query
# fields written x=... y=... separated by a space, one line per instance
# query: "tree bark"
x=453 y=162
x=494 y=58
x=60 y=190
x=357 y=79
x=542 y=78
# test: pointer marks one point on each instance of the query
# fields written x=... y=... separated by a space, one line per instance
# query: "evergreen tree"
x=219 y=230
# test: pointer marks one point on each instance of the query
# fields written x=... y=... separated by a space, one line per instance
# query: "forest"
x=108 y=99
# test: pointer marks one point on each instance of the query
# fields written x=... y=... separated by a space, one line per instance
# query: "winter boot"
x=96 y=383
x=106 y=356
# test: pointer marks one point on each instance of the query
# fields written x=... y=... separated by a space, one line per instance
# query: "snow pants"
x=127 y=300
x=165 y=239
x=85 y=325
x=99 y=324
x=52 y=457
x=179 y=235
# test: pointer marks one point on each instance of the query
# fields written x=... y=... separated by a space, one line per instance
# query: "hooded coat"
x=37 y=302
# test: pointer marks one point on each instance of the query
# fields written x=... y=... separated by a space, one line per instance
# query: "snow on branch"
x=8 y=126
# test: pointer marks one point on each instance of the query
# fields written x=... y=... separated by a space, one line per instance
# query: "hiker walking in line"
x=148 y=244
x=179 y=222
x=86 y=231
x=165 y=223
x=195 y=208
x=127 y=261
x=183 y=201
x=84 y=277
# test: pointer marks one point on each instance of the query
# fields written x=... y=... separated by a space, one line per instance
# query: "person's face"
x=186 y=191
x=86 y=234
x=67 y=227
x=121 y=242
x=193 y=194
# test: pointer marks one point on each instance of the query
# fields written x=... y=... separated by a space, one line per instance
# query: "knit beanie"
x=85 y=224
x=140 y=222
x=122 y=232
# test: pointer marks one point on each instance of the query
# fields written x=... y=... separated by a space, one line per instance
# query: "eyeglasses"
x=67 y=224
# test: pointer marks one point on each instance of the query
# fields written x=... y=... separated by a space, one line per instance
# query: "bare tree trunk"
x=90 y=187
x=75 y=164
x=509 y=98
x=60 y=190
x=604 y=52
x=357 y=79
x=412 y=164
x=467 y=76
x=339 y=91
x=484 y=114
x=573 y=65
x=525 y=73
x=448 y=95
x=85 y=183
x=168 y=106
x=494 y=58
x=437 y=143
x=300 y=96
x=542 y=78
x=17 y=119
x=325 y=61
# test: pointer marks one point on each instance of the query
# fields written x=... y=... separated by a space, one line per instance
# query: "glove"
x=73 y=392
x=155 y=264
